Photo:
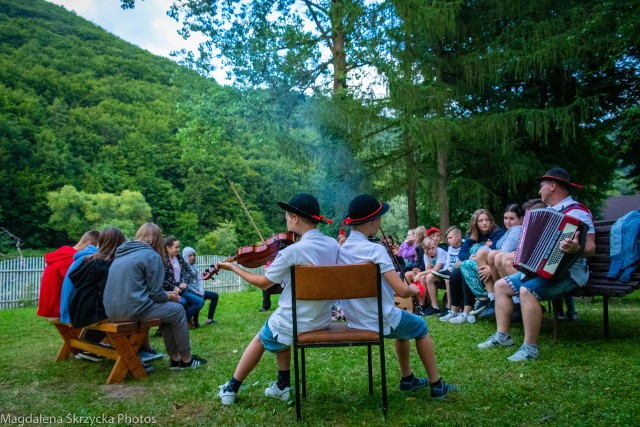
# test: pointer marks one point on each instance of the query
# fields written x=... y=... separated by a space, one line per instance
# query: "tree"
x=74 y=212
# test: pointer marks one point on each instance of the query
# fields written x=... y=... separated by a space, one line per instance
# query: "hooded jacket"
x=67 y=286
x=134 y=283
x=195 y=278
x=57 y=264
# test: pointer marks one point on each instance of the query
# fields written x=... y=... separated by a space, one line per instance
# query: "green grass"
x=581 y=380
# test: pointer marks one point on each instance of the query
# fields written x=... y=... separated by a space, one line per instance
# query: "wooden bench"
x=599 y=284
x=123 y=339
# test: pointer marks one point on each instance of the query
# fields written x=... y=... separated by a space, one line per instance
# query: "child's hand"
x=488 y=243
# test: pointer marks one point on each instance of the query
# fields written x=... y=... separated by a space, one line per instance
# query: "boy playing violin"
x=302 y=215
x=365 y=214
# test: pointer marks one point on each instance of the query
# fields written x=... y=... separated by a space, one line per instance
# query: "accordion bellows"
x=538 y=252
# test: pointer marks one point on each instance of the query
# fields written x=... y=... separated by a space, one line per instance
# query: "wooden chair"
x=338 y=282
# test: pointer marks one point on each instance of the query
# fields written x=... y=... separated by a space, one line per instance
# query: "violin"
x=254 y=256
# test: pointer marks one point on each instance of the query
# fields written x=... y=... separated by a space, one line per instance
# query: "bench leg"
x=68 y=333
x=127 y=360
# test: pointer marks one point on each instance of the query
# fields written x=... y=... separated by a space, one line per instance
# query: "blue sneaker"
x=440 y=390
x=415 y=384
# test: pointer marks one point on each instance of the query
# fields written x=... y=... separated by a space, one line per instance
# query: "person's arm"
x=400 y=288
x=154 y=279
x=465 y=250
x=572 y=246
x=257 y=280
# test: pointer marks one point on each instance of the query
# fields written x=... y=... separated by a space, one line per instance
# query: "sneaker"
x=461 y=318
x=450 y=315
x=195 y=362
x=149 y=355
x=210 y=321
x=444 y=312
x=262 y=310
x=174 y=365
x=196 y=325
x=495 y=342
x=431 y=311
x=415 y=384
x=147 y=368
x=443 y=274
x=89 y=356
x=571 y=316
x=274 y=392
x=489 y=311
x=523 y=355
x=440 y=390
x=480 y=305
x=226 y=394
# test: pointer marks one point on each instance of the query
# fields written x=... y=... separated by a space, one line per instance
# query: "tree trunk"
x=412 y=185
x=443 y=199
x=339 y=58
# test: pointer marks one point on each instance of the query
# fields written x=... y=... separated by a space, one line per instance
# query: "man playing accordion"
x=555 y=191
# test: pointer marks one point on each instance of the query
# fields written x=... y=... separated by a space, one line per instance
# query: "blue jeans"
x=192 y=303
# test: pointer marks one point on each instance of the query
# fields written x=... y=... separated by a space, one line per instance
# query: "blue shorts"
x=268 y=341
x=410 y=327
x=543 y=289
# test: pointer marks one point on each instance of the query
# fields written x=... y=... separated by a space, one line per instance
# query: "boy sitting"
x=365 y=214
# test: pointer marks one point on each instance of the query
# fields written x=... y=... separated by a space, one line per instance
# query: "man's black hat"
x=306 y=206
x=560 y=175
x=365 y=208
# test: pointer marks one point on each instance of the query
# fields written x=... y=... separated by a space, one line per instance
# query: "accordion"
x=538 y=252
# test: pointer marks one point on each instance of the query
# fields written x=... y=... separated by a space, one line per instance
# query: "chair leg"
x=383 y=375
x=370 y=366
x=304 y=373
x=296 y=368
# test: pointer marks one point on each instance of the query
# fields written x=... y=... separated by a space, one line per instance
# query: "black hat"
x=560 y=175
x=306 y=206
x=365 y=208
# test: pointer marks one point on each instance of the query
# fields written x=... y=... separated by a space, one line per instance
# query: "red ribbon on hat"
x=321 y=217
x=349 y=220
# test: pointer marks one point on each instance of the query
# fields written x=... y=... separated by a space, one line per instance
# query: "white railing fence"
x=20 y=280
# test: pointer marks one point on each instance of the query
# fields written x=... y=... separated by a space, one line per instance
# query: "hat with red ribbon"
x=560 y=175
x=306 y=206
x=364 y=208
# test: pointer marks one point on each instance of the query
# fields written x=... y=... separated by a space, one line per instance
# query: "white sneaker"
x=523 y=355
x=274 y=392
x=494 y=342
x=459 y=318
x=226 y=394
x=448 y=316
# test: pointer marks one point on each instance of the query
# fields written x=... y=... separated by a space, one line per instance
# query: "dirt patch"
x=123 y=391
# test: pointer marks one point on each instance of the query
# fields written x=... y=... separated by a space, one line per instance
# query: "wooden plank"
x=119 y=327
x=94 y=348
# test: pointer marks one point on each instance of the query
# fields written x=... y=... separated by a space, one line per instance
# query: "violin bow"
x=393 y=258
x=233 y=187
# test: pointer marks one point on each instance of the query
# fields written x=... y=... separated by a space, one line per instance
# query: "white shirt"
x=363 y=313
x=579 y=271
x=314 y=248
x=452 y=256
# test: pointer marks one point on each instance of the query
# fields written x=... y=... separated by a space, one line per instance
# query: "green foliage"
x=75 y=212
x=223 y=240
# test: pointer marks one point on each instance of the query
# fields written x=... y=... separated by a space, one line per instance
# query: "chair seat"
x=337 y=332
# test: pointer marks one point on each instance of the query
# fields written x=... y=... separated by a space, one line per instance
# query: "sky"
x=147 y=25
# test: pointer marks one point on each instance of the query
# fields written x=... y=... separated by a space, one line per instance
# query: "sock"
x=516 y=300
x=234 y=384
x=437 y=383
x=409 y=378
x=492 y=297
x=284 y=379
x=502 y=336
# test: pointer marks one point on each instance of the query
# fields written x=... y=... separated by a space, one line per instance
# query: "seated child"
x=365 y=214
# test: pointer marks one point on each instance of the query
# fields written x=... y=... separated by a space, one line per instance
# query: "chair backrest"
x=334 y=282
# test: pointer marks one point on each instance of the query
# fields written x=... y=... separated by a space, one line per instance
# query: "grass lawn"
x=581 y=380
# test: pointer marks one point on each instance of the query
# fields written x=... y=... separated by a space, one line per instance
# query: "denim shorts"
x=410 y=327
x=268 y=340
x=543 y=289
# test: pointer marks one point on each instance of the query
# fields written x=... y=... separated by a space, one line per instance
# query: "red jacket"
x=57 y=264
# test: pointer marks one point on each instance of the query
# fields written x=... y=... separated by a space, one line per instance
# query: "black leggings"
x=460 y=292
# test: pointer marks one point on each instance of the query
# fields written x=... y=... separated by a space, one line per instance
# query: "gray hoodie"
x=134 y=282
